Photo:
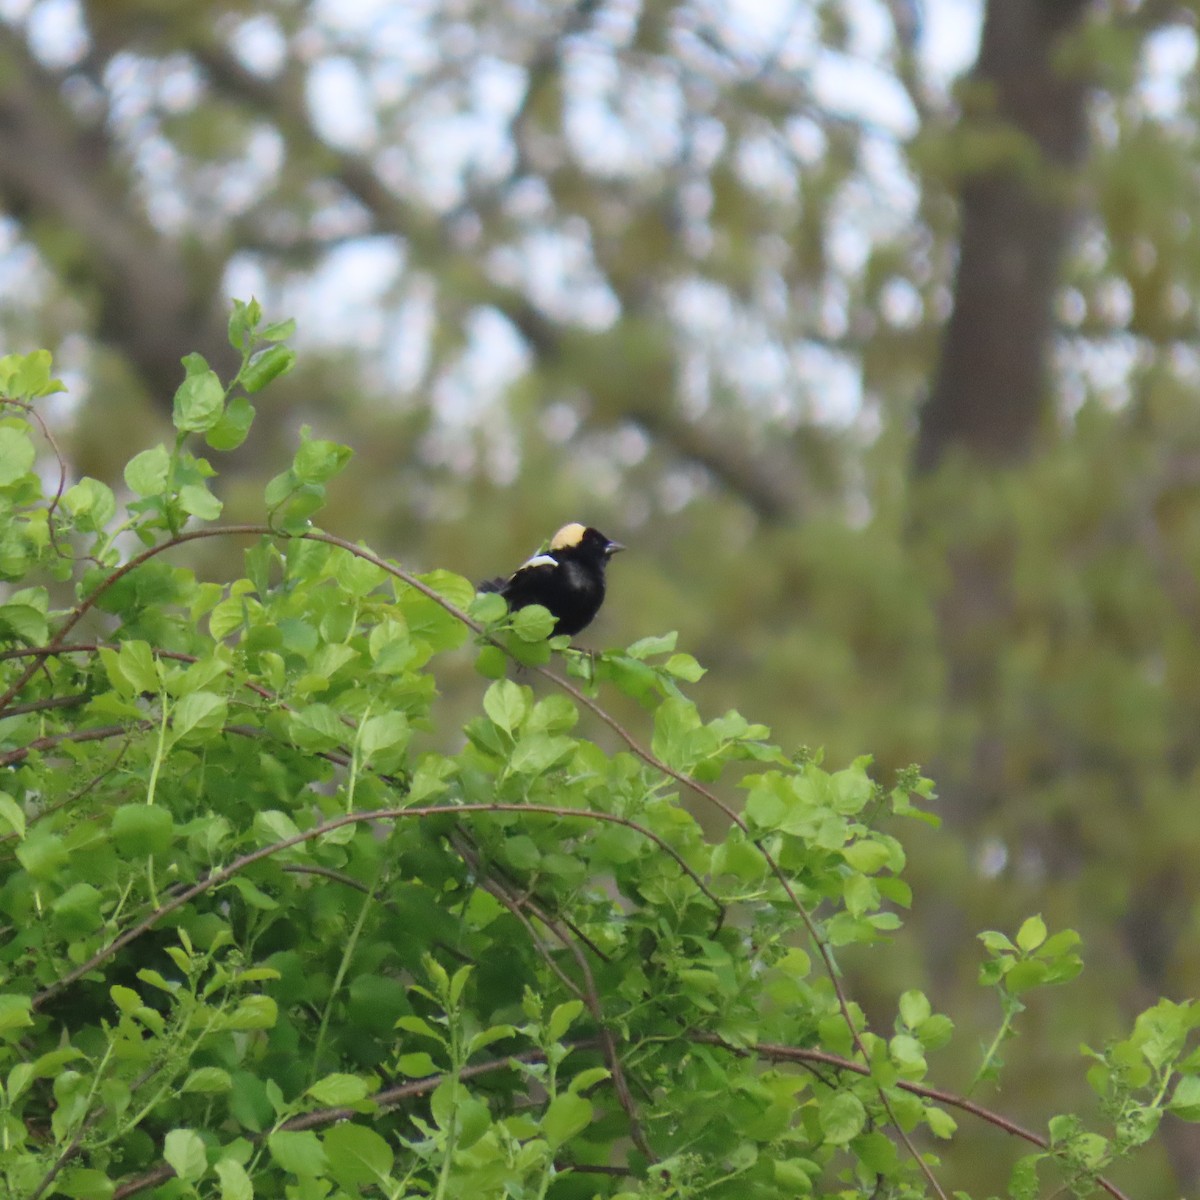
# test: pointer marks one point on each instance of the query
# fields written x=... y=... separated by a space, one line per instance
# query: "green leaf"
x=42 y=854
x=298 y=1152
x=417 y=1065
x=915 y=1008
x=647 y=647
x=566 y=1115
x=487 y=608
x=84 y=1183
x=229 y=615
x=357 y=575
x=15 y=1013
x=146 y=473
x=877 y=1152
x=562 y=1018
x=318 y=461
x=199 y=712
x=13 y=814
x=339 y=1089
x=141 y=829
x=199 y=400
x=24 y=623
x=457 y=589
x=17 y=454
x=231 y=430
x=684 y=666
x=491 y=662
x=537 y=752
x=533 y=623
x=851 y=788
x=794 y=1175
x=357 y=1156
x=242 y=321
x=136 y=663
x=317 y=727
x=235 y=1183
x=271 y=825
x=1031 y=934
x=91 y=503
x=842 y=1117
x=995 y=942
x=418 y=1025
x=674 y=720
x=765 y=807
x=522 y=853
x=253 y=1012
x=268 y=365
x=941 y=1123
x=208 y=1080
x=278 y=331
x=1026 y=975
x=867 y=857
x=507 y=704
x=936 y=1031
x=27 y=376
x=78 y=910
x=199 y=502
x=429 y=779
x=184 y=1151
x=382 y=733
x=589 y=1078
x=1185 y=1100
x=908 y=1053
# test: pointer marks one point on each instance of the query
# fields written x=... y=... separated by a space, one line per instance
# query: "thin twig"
x=73 y=735
x=73 y=701
x=777 y=1053
x=588 y=993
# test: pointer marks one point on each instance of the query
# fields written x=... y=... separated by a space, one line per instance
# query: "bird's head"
x=584 y=541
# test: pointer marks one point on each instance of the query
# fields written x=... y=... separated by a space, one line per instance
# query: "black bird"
x=567 y=579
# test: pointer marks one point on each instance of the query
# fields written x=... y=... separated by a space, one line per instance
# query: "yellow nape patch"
x=568 y=535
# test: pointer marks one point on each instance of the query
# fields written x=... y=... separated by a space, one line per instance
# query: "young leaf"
x=184 y=1151
x=269 y=365
x=199 y=402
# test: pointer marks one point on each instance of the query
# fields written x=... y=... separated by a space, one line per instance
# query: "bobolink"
x=568 y=579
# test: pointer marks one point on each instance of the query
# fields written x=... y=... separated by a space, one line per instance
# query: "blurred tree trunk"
x=990 y=385
x=989 y=399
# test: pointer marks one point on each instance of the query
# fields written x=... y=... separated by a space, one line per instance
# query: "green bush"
x=264 y=933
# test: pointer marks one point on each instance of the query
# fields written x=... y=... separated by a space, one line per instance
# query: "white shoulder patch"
x=539 y=560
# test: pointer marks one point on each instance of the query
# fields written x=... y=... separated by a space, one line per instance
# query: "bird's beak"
x=612 y=548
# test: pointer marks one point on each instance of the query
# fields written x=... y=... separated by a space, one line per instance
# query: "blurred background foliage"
x=884 y=362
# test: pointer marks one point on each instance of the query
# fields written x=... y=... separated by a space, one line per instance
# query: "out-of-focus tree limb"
x=60 y=172
x=764 y=483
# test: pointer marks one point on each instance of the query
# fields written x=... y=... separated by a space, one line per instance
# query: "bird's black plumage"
x=567 y=579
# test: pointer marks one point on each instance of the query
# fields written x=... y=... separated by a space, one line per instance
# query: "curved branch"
x=387 y=1098
x=777 y=1053
x=217 y=878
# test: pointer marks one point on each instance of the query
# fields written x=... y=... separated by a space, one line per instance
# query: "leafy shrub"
x=265 y=932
